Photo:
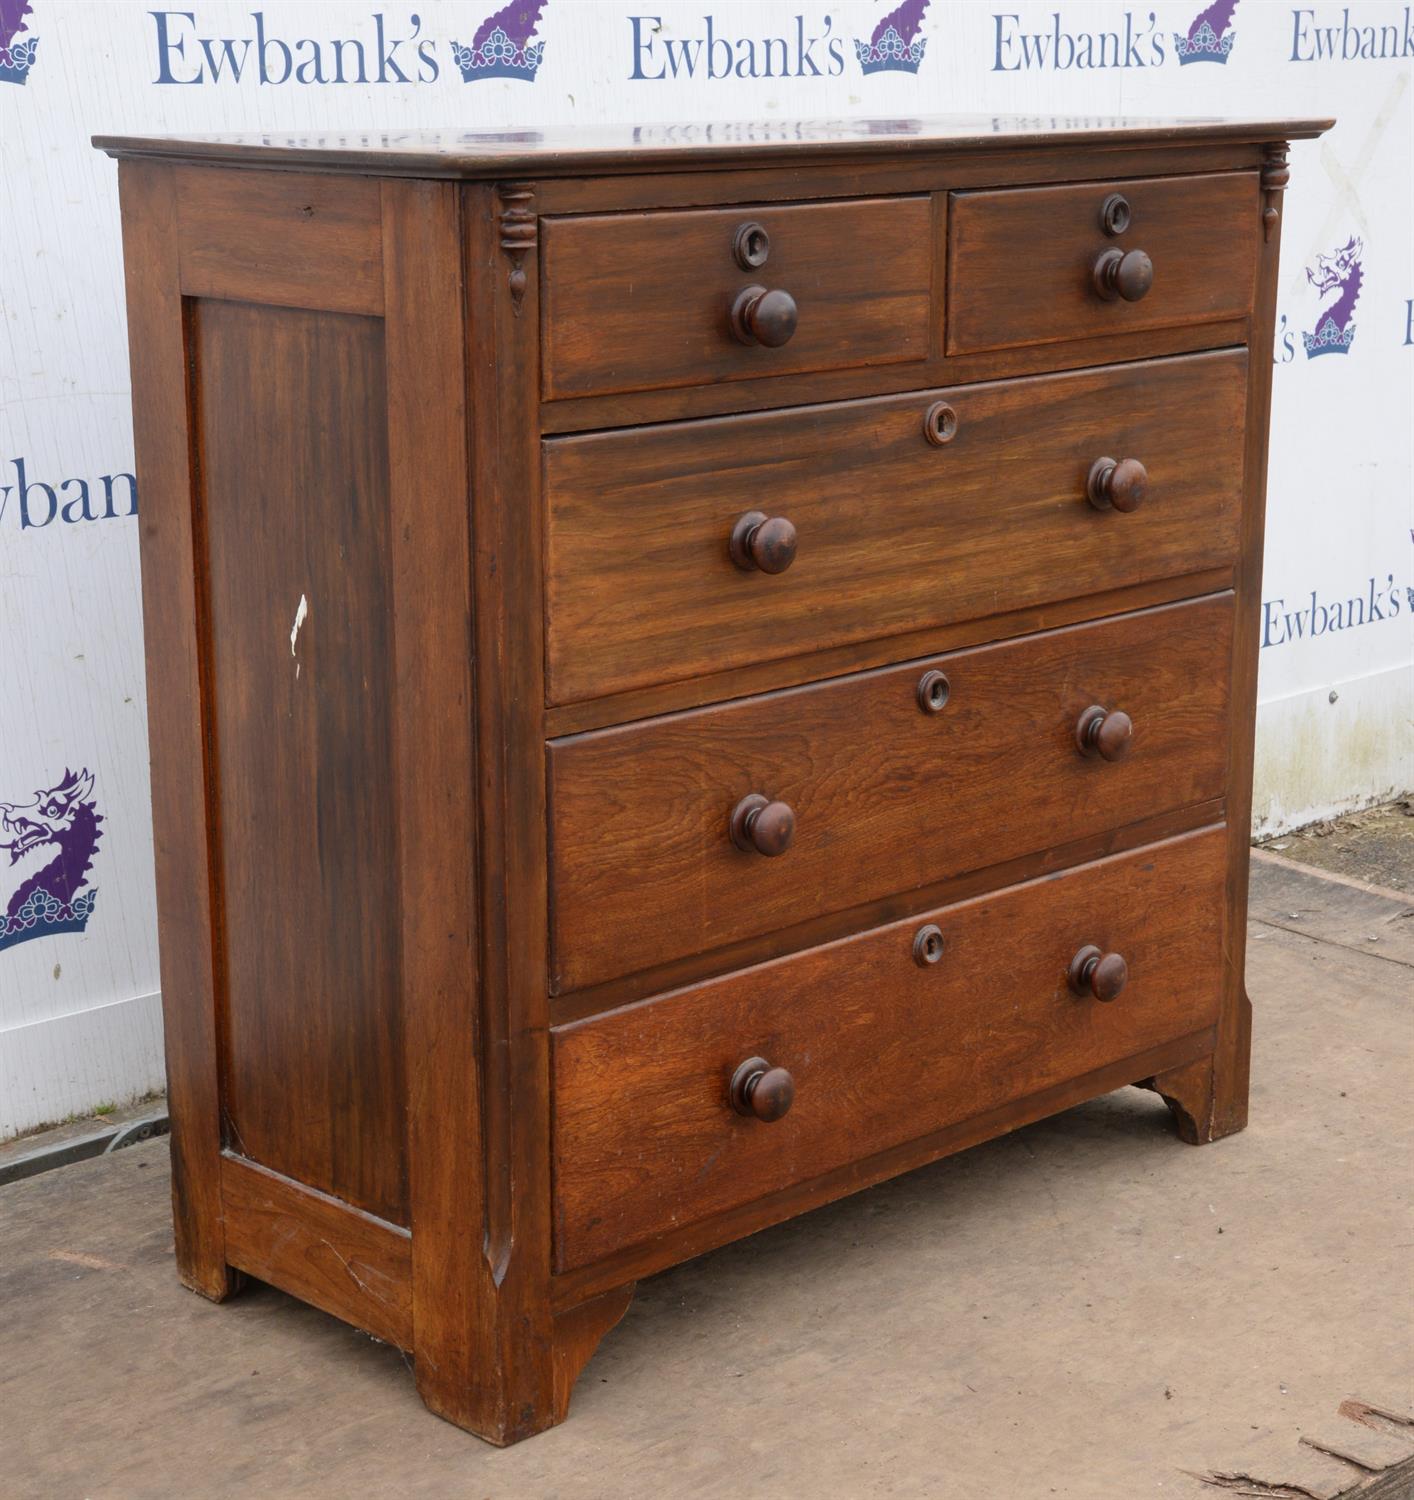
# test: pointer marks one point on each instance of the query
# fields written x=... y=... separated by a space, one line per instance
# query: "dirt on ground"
x=1375 y=846
x=77 y=1126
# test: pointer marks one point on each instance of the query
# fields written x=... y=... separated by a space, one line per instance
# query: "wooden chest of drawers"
x=685 y=678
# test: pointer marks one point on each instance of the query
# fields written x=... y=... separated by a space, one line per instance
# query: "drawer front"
x=887 y=796
x=893 y=533
x=645 y=301
x=1022 y=262
x=881 y=1049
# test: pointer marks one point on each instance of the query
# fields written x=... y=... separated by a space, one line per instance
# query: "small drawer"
x=646 y=301
x=876 y=1041
x=1036 y=265
x=904 y=513
x=875 y=784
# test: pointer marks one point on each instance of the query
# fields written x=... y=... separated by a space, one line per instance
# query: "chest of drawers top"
x=850 y=230
x=690 y=669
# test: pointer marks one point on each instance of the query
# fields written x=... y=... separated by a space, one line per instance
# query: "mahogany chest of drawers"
x=689 y=671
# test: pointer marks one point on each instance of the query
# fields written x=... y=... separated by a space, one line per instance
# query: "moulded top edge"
x=638 y=148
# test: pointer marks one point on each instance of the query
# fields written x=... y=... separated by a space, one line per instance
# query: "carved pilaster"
x=518 y=234
x=1275 y=176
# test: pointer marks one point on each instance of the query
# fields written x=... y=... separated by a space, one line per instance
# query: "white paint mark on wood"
x=301 y=615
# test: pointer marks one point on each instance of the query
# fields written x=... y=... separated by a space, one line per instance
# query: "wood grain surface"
x=292 y=417
x=287 y=239
x=894 y=534
x=1020 y=259
x=881 y=1049
x=645 y=149
x=886 y=797
x=455 y=686
x=351 y=1264
x=860 y=272
x=173 y=614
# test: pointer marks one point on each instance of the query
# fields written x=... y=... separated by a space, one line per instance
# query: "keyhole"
x=1115 y=215
x=933 y=691
x=751 y=246
x=940 y=424
x=928 y=945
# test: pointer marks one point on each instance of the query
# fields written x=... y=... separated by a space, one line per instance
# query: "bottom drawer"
x=882 y=1045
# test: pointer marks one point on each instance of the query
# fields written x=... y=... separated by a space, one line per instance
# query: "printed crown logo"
x=16 y=57
x=1210 y=37
x=895 y=46
x=50 y=843
x=502 y=46
x=1338 y=272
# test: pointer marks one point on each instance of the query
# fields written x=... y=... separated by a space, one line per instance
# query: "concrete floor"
x=1085 y=1309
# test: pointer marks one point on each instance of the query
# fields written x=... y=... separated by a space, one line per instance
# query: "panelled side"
x=291 y=418
x=286 y=556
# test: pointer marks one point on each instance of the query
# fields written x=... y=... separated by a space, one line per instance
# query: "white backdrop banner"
x=79 y=1014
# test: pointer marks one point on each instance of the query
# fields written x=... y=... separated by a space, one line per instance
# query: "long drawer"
x=904 y=517
x=894 y=779
x=881 y=1045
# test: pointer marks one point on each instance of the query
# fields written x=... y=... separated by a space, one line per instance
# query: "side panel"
x=176 y=740
x=291 y=418
x=282 y=239
x=1232 y=1064
x=303 y=452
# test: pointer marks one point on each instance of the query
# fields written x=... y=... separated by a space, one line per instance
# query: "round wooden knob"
x=762 y=317
x=1117 y=484
x=764 y=542
x=1104 y=734
x=762 y=827
x=1101 y=975
x=1123 y=273
x=761 y=1091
